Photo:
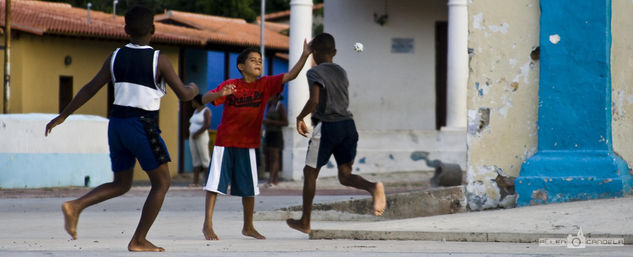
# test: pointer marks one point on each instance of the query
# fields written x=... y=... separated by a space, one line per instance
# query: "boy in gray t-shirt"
x=333 y=101
x=334 y=130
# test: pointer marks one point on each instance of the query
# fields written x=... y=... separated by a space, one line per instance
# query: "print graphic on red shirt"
x=243 y=113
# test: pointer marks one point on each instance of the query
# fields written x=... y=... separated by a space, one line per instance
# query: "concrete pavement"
x=31 y=225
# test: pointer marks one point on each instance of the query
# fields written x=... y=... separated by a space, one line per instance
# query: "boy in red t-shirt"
x=233 y=161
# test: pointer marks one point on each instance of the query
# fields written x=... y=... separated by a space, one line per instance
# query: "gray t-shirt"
x=333 y=94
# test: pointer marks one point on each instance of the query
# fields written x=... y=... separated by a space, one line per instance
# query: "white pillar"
x=300 y=29
x=457 y=61
x=298 y=90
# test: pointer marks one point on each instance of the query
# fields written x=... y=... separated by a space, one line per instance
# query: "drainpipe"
x=262 y=48
x=7 y=55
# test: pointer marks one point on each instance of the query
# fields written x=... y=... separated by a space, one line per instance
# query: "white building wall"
x=392 y=95
x=388 y=90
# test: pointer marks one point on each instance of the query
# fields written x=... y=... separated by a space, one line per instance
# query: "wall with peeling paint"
x=502 y=94
x=575 y=160
x=503 y=91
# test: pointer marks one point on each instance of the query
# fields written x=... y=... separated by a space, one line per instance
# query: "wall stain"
x=514 y=86
x=418 y=155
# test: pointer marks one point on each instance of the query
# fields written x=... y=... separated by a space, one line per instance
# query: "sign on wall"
x=402 y=45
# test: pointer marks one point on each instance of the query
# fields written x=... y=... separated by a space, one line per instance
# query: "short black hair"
x=323 y=43
x=139 y=21
x=241 y=58
x=198 y=99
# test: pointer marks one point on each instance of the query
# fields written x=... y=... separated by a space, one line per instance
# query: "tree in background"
x=245 y=9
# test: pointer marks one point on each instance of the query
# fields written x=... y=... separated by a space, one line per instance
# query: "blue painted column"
x=575 y=158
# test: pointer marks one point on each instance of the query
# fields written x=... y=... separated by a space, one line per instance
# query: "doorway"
x=65 y=91
x=441 y=52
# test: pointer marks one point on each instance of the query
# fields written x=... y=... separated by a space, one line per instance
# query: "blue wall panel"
x=281 y=66
x=215 y=76
x=575 y=159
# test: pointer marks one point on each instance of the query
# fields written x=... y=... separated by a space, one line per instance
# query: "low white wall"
x=75 y=153
x=382 y=151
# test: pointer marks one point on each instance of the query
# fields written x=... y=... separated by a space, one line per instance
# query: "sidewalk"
x=608 y=218
x=605 y=218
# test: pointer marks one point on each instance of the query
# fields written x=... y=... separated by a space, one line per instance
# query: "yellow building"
x=55 y=49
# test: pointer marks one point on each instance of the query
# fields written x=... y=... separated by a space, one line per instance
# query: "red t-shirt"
x=241 y=123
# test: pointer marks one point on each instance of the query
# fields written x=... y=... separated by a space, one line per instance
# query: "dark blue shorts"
x=136 y=138
x=338 y=138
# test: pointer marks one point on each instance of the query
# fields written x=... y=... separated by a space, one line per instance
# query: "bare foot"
x=70 y=219
x=143 y=246
x=252 y=233
x=298 y=225
x=209 y=234
x=380 y=202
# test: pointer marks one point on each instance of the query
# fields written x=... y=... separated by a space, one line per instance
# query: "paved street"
x=33 y=226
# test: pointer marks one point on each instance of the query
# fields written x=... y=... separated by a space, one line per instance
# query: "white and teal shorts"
x=235 y=168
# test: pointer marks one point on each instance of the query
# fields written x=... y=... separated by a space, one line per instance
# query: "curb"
x=430 y=202
x=504 y=237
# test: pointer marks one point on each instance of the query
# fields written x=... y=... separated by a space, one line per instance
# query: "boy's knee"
x=160 y=178
x=310 y=173
x=123 y=186
x=344 y=178
x=162 y=185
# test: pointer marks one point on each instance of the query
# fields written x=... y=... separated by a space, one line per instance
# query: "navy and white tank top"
x=136 y=90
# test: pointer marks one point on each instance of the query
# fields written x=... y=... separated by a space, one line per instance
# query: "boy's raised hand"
x=54 y=122
x=294 y=72
x=307 y=47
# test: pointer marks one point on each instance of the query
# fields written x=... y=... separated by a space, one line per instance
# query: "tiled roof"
x=229 y=31
x=275 y=26
x=286 y=14
x=46 y=18
x=62 y=19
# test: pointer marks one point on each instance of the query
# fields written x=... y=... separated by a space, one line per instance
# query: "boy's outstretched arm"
x=84 y=94
x=184 y=93
x=308 y=108
x=292 y=74
x=211 y=96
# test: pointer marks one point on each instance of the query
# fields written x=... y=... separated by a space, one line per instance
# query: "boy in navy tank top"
x=239 y=133
x=138 y=73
